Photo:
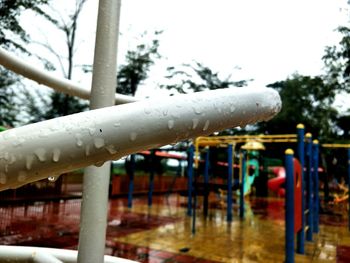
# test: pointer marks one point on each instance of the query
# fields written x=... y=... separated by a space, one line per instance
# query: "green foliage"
x=62 y=105
x=197 y=77
x=34 y=106
x=337 y=61
x=13 y=36
x=137 y=66
x=8 y=110
x=9 y=24
x=306 y=100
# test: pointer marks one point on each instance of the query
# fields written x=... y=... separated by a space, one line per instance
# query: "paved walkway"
x=163 y=233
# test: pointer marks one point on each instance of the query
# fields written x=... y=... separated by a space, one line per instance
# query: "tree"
x=197 y=77
x=137 y=65
x=306 y=100
x=10 y=25
x=337 y=66
x=337 y=61
x=8 y=110
x=62 y=104
x=13 y=36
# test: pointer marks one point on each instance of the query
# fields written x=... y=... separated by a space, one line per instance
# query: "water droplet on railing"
x=29 y=161
x=147 y=109
x=22 y=176
x=99 y=164
x=206 y=125
x=133 y=136
x=87 y=150
x=111 y=149
x=197 y=110
x=171 y=124
x=56 y=155
x=40 y=154
x=194 y=123
x=52 y=178
x=79 y=142
x=3 y=178
x=92 y=131
x=99 y=142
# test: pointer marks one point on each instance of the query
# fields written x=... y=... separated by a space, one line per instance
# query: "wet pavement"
x=162 y=233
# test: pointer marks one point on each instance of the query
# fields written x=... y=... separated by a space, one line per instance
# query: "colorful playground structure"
x=107 y=132
x=91 y=139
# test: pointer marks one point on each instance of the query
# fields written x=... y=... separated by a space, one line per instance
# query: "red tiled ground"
x=56 y=224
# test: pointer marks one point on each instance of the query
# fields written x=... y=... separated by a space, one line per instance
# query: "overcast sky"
x=268 y=39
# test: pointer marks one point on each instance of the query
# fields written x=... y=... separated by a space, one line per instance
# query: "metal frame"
x=53 y=147
x=66 y=86
x=46 y=255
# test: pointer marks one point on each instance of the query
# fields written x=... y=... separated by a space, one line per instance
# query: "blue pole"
x=289 y=203
x=151 y=178
x=301 y=157
x=131 y=182
x=241 y=196
x=229 y=181
x=206 y=184
x=349 y=184
x=194 y=205
x=190 y=155
x=309 y=194
x=316 y=187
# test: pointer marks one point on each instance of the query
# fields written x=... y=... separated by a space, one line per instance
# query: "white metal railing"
x=60 y=145
x=53 y=147
x=66 y=86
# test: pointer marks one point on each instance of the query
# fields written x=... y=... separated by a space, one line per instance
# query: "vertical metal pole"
x=151 y=178
x=241 y=197
x=349 y=186
x=316 y=187
x=194 y=193
x=229 y=181
x=190 y=155
x=301 y=157
x=289 y=206
x=93 y=220
x=206 y=184
x=131 y=174
x=309 y=194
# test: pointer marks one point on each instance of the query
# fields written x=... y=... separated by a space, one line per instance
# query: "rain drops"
x=133 y=136
x=171 y=124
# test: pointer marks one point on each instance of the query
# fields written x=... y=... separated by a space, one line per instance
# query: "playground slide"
x=253 y=168
x=277 y=184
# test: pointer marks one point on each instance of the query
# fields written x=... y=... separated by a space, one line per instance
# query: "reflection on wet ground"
x=163 y=233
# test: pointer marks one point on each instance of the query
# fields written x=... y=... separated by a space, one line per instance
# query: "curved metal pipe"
x=63 y=85
x=47 y=255
x=53 y=147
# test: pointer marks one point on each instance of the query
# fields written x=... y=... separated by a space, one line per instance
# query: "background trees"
x=197 y=77
x=137 y=64
x=307 y=100
x=14 y=37
x=63 y=104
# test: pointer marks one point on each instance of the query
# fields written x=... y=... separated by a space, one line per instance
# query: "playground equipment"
x=153 y=154
x=346 y=195
x=53 y=147
x=230 y=185
x=302 y=198
x=252 y=143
